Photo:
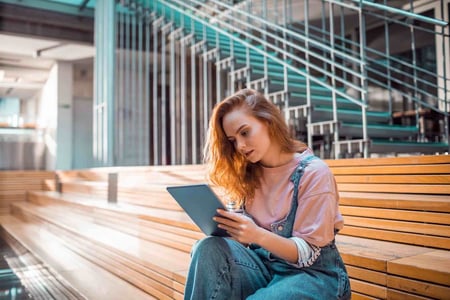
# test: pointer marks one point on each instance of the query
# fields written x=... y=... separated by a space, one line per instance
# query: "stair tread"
x=82 y=274
x=173 y=217
x=170 y=261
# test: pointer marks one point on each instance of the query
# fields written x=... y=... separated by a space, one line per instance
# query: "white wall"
x=55 y=116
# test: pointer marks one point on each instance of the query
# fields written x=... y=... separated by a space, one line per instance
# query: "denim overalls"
x=222 y=268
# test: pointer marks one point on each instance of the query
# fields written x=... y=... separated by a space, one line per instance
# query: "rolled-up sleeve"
x=317 y=214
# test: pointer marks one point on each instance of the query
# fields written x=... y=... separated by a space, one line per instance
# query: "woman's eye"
x=244 y=133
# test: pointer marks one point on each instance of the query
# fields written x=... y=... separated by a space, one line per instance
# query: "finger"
x=227 y=214
x=226 y=221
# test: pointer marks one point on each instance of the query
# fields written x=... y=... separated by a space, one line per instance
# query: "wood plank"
x=399 y=226
x=27 y=174
x=407 y=160
x=364 y=274
x=358 y=296
x=391 y=170
x=397 y=179
x=368 y=289
x=396 y=188
x=438 y=203
x=432 y=266
x=399 y=295
x=421 y=288
x=393 y=236
x=396 y=214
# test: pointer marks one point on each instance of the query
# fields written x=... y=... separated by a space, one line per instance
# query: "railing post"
x=112 y=187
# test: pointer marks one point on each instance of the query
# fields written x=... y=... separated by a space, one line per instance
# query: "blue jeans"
x=222 y=268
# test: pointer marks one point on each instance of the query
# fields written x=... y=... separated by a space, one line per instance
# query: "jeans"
x=222 y=268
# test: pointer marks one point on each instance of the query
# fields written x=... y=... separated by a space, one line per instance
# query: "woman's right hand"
x=239 y=226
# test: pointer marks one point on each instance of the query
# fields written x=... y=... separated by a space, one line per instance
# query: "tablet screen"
x=200 y=203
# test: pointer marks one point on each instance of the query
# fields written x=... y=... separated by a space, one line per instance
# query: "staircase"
x=300 y=73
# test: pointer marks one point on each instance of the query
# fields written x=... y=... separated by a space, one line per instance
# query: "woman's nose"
x=240 y=145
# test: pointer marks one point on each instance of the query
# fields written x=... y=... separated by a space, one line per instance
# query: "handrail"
x=263 y=52
x=393 y=58
x=398 y=11
x=398 y=71
x=342 y=53
x=285 y=30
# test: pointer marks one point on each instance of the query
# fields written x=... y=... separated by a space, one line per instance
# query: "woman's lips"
x=247 y=154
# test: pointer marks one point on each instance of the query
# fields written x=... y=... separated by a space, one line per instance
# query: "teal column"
x=104 y=79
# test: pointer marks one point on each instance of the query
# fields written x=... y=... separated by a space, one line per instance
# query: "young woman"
x=282 y=245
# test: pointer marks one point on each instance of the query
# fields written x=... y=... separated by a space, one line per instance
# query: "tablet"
x=200 y=203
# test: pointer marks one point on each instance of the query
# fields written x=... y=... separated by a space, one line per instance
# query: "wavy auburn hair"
x=228 y=168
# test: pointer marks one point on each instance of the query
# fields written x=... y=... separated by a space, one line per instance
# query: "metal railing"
x=179 y=91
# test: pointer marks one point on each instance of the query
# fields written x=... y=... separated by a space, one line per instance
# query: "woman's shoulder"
x=315 y=164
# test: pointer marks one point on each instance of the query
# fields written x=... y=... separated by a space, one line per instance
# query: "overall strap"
x=285 y=226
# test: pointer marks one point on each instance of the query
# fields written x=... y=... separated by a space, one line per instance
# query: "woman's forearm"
x=280 y=246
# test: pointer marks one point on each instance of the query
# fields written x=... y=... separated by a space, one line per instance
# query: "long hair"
x=228 y=168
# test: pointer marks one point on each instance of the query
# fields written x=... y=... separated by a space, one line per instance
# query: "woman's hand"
x=240 y=227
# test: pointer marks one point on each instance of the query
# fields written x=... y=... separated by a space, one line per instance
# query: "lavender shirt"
x=318 y=211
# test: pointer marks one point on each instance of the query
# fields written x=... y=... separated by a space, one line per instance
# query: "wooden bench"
x=14 y=184
x=403 y=199
x=396 y=238
x=394 y=243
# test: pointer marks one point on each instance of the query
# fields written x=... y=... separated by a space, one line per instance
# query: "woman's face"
x=248 y=135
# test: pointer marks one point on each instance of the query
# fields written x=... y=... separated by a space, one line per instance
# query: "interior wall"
x=82 y=114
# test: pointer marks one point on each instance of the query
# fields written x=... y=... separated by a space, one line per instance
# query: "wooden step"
x=112 y=216
x=161 y=216
x=164 y=268
x=404 y=267
x=14 y=184
x=85 y=277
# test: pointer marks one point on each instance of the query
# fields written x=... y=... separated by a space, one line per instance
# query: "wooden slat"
x=399 y=295
x=421 y=288
x=358 y=296
x=396 y=188
x=392 y=170
x=408 y=160
x=437 y=203
x=396 y=214
x=26 y=174
x=393 y=236
x=368 y=289
x=406 y=179
x=399 y=226
x=367 y=275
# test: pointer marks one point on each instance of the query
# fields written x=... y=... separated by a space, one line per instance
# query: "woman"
x=282 y=245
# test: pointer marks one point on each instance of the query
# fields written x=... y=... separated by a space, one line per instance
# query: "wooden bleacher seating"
x=14 y=184
x=396 y=241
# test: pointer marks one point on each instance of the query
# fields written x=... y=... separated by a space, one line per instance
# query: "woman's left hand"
x=240 y=227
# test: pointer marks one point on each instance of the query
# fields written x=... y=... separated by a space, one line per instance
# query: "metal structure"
x=345 y=83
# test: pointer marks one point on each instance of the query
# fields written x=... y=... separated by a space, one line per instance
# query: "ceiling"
x=32 y=39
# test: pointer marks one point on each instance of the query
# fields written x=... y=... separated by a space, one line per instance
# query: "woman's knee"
x=207 y=244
